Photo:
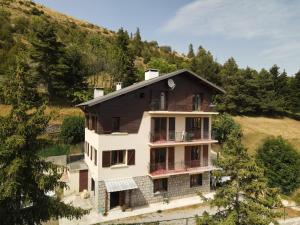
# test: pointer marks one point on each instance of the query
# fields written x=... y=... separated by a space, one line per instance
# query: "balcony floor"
x=166 y=173
x=162 y=143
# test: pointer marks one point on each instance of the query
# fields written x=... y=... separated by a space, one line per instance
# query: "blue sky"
x=256 y=33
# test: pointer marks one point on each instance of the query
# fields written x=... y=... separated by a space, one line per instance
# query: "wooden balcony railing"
x=178 y=136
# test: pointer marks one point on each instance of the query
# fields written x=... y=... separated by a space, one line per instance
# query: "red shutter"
x=187 y=156
x=205 y=155
x=131 y=157
x=106 y=159
x=171 y=158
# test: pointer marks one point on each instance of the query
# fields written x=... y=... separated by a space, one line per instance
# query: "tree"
x=281 y=163
x=25 y=178
x=124 y=60
x=245 y=198
x=72 y=130
x=161 y=64
x=204 y=65
x=191 y=53
x=137 y=43
x=294 y=97
x=223 y=126
x=48 y=56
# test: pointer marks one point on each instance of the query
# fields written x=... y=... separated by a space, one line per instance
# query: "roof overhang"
x=120 y=184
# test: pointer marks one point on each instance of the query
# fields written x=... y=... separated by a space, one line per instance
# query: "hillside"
x=95 y=43
x=256 y=129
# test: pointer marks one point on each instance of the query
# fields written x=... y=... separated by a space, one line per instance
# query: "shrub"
x=72 y=130
x=224 y=125
x=281 y=163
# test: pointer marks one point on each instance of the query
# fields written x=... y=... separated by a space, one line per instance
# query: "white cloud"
x=275 y=21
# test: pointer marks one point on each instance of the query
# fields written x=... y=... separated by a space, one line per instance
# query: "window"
x=110 y=158
x=115 y=124
x=118 y=157
x=95 y=157
x=160 y=185
x=195 y=153
x=205 y=127
x=197 y=101
x=196 y=180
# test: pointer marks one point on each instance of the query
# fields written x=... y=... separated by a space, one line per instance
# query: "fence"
x=286 y=211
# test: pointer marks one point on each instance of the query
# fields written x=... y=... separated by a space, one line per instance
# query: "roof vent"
x=118 y=86
x=151 y=73
x=98 y=92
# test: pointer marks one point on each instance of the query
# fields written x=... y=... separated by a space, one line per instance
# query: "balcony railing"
x=177 y=167
x=178 y=136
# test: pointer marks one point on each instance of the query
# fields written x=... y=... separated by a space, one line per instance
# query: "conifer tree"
x=124 y=60
x=48 y=57
x=137 y=43
x=191 y=53
x=25 y=178
x=245 y=198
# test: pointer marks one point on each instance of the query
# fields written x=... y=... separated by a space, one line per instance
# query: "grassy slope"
x=256 y=129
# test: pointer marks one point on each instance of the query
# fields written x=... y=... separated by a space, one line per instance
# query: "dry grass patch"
x=57 y=113
x=256 y=129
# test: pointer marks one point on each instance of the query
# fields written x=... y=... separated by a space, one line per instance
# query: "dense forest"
x=66 y=58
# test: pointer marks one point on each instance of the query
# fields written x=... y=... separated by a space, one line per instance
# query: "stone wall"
x=178 y=187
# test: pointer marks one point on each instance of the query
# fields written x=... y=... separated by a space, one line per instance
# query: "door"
x=158 y=159
x=114 y=199
x=193 y=128
x=160 y=129
x=83 y=180
x=171 y=159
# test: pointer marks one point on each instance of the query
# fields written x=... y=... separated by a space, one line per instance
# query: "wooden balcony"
x=165 y=169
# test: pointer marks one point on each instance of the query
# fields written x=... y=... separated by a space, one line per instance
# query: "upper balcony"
x=160 y=139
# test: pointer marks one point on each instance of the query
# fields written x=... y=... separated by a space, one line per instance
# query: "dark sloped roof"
x=144 y=83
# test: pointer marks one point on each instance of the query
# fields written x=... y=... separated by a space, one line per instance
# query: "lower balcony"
x=164 y=169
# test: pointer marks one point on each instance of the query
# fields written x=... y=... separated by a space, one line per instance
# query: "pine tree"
x=25 y=178
x=48 y=56
x=124 y=60
x=245 y=198
x=137 y=43
x=191 y=53
x=295 y=93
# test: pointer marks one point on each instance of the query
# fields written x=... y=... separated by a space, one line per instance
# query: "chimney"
x=118 y=86
x=98 y=92
x=151 y=73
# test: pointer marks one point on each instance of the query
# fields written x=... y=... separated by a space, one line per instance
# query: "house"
x=151 y=141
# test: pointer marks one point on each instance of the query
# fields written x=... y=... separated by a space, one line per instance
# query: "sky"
x=255 y=33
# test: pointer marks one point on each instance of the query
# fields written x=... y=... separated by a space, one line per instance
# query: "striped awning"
x=120 y=184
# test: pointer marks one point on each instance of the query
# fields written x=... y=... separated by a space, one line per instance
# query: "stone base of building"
x=178 y=187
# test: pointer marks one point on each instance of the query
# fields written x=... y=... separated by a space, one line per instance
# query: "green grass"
x=55 y=150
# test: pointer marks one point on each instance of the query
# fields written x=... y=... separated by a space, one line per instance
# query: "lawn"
x=256 y=129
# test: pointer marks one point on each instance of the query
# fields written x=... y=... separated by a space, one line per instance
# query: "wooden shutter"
x=187 y=156
x=171 y=158
x=106 y=159
x=95 y=157
x=131 y=157
x=205 y=155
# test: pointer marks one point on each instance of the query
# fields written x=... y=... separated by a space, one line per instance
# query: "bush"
x=72 y=130
x=281 y=163
x=224 y=125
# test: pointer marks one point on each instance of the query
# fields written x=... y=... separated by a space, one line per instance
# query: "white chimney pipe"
x=118 y=86
x=98 y=92
x=151 y=73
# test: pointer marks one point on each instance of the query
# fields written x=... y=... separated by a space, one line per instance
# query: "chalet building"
x=151 y=141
